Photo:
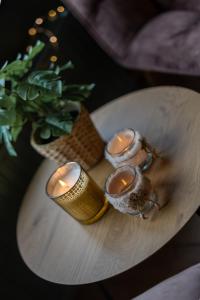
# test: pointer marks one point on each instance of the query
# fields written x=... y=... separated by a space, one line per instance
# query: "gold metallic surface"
x=84 y=201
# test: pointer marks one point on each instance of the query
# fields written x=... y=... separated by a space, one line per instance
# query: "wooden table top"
x=59 y=249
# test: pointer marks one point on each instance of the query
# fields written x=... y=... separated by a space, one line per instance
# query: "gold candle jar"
x=72 y=189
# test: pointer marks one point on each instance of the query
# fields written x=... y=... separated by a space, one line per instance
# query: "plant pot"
x=83 y=145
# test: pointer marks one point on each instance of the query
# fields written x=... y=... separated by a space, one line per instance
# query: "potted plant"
x=61 y=127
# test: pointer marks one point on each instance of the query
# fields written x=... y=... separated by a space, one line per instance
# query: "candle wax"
x=121 y=144
x=121 y=141
x=65 y=179
x=121 y=182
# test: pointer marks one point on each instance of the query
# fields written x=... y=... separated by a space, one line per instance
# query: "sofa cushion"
x=138 y=35
x=184 y=286
x=170 y=43
x=113 y=23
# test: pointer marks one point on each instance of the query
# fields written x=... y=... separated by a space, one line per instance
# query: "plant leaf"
x=6 y=139
x=7 y=102
x=78 y=92
x=47 y=80
x=27 y=91
x=71 y=106
x=22 y=91
x=4 y=65
x=7 y=117
x=20 y=67
x=45 y=75
x=45 y=133
x=67 y=66
x=15 y=131
x=32 y=93
x=33 y=51
x=65 y=126
x=56 y=132
x=17 y=126
x=15 y=68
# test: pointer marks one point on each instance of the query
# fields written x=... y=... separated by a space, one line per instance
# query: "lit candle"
x=130 y=192
x=64 y=179
x=72 y=189
x=121 y=142
x=127 y=147
x=121 y=182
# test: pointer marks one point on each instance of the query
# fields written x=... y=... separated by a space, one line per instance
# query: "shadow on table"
x=181 y=252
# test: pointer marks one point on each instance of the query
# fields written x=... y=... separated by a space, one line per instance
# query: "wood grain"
x=59 y=249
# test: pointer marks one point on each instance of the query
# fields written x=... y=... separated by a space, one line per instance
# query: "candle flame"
x=62 y=183
x=124 y=182
x=119 y=139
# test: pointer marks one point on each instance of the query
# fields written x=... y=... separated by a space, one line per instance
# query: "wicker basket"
x=83 y=145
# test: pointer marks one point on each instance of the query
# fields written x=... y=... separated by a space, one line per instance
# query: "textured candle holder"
x=137 y=198
x=136 y=151
x=84 y=201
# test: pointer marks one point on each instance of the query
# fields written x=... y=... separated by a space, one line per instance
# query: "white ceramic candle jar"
x=130 y=192
x=127 y=147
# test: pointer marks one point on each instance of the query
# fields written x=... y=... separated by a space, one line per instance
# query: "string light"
x=53 y=39
x=53 y=58
x=39 y=21
x=52 y=13
x=32 y=31
x=60 y=9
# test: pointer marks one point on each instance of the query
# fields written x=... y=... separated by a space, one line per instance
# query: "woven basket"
x=83 y=145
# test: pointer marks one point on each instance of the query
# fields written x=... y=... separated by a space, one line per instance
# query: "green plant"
x=39 y=97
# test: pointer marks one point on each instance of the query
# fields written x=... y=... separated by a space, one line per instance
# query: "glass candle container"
x=130 y=192
x=72 y=189
x=127 y=147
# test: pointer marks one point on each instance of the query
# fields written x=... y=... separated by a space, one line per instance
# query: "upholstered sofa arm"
x=154 y=35
x=183 y=286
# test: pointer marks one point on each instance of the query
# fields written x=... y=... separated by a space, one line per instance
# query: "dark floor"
x=92 y=65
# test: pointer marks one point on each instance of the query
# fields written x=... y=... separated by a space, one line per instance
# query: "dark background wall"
x=15 y=19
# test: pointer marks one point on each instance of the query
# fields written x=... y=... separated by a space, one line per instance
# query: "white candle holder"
x=128 y=147
x=130 y=192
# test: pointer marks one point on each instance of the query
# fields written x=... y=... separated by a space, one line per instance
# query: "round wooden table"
x=59 y=249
